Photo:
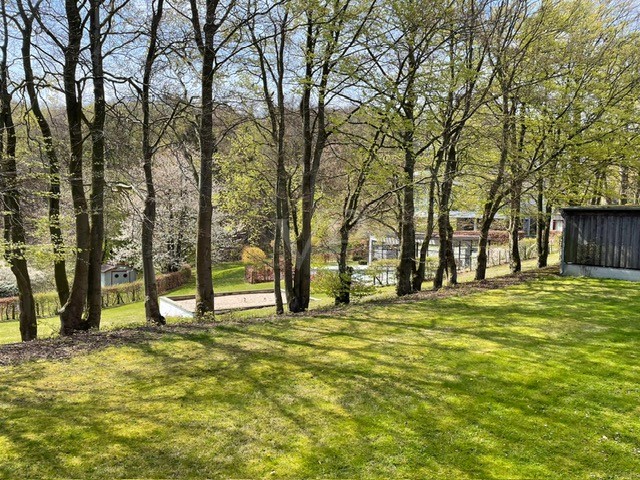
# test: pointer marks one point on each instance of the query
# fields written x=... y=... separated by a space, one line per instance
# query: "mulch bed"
x=82 y=342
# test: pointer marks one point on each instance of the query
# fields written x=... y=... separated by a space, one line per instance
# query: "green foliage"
x=527 y=248
x=254 y=256
x=247 y=174
x=330 y=282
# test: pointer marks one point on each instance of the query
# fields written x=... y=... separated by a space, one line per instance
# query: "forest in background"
x=171 y=131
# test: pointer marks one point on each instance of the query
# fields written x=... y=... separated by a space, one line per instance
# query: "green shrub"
x=385 y=263
x=329 y=283
x=254 y=256
x=527 y=248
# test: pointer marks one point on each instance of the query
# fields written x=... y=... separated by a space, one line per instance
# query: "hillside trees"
x=216 y=27
x=578 y=105
x=518 y=35
x=320 y=36
x=464 y=89
x=301 y=120
x=27 y=17
x=14 y=231
x=401 y=48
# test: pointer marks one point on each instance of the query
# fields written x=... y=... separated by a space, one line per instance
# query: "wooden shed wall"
x=603 y=239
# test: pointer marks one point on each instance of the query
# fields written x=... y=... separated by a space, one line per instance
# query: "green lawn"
x=540 y=380
x=227 y=277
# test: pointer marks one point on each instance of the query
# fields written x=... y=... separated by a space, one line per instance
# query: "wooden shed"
x=601 y=242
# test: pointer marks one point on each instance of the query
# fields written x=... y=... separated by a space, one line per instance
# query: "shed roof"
x=602 y=209
x=110 y=268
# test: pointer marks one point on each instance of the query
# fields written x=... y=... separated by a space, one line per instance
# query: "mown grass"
x=227 y=277
x=539 y=380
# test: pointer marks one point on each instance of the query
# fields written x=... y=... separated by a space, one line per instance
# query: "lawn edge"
x=61 y=348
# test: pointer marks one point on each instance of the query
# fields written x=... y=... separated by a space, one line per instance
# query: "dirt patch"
x=67 y=347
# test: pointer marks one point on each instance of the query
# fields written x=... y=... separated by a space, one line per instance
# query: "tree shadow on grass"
x=520 y=383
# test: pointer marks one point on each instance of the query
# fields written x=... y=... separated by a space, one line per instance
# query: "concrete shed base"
x=184 y=306
x=600 y=272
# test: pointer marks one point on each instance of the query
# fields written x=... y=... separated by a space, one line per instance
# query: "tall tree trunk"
x=515 y=263
x=71 y=313
x=284 y=227
x=421 y=271
x=352 y=212
x=204 y=280
x=543 y=259
x=483 y=242
x=151 y=303
x=624 y=184
x=277 y=117
x=407 y=265
x=14 y=232
x=446 y=258
x=55 y=231
x=494 y=198
x=543 y=228
x=488 y=215
x=94 y=291
x=299 y=301
x=452 y=268
x=345 y=272
x=312 y=153
x=282 y=237
x=287 y=250
x=277 y=278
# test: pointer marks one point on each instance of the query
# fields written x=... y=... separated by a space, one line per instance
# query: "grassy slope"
x=535 y=381
x=227 y=277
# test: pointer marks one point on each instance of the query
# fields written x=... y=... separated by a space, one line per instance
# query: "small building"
x=557 y=223
x=601 y=242
x=117 y=274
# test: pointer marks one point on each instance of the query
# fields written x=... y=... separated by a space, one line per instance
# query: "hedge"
x=47 y=304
